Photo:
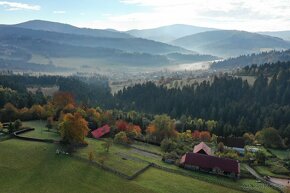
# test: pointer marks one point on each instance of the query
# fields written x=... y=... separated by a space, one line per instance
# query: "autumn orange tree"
x=205 y=136
x=201 y=135
x=121 y=125
x=196 y=135
x=73 y=128
x=62 y=99
x=130 y=129
x=133 y=131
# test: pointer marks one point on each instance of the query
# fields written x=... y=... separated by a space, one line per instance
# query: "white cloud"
x=251 y=15
x=15 y=6
x=59 y=12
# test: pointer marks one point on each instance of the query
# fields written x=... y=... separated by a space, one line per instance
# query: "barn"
x=100 y=132
x=208 y=163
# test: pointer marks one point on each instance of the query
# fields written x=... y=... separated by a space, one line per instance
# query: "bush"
x=121 y=138
x=168 y=145
x=171 y=156
x=271 y=138
x=17 y=124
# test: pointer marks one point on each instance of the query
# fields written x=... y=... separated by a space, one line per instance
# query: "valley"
x=129 y=96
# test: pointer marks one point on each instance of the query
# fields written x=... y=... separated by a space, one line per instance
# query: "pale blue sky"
x=250 y=15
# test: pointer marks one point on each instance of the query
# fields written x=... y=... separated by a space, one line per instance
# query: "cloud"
x=248 y=15
x=15 y=6
x=59 y=12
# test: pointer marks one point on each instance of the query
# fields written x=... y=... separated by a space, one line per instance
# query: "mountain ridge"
x=230 y=43
x=168 y=33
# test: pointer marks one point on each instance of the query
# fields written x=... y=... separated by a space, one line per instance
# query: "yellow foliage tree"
x=93 y=114
x=74 y=128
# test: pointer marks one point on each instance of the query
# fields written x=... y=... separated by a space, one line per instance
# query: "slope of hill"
x=247 y=60
x=168 y=33
x=105 y=55
x=230 y=43
x=126 y=44
x=65 y=28
x=280 y=34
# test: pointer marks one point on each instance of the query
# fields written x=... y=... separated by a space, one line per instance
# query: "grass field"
x=30 y=167
x=154 y=179
x=113 y=159
x=50 y=173
x=40 y=131
x=199 y=176
x=282 y=154
x=18 y=154
x=265 y=171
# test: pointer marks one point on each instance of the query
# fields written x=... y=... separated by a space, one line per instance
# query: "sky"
x=248 y=15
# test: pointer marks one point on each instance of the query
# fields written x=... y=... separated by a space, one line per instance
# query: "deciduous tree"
x=61 y=99
x=165 y=127
x=74 y=128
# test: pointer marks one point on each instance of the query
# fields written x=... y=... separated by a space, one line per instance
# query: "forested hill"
x=236 y=105
x=86 y=91
x=268 y=69
x=246 y=60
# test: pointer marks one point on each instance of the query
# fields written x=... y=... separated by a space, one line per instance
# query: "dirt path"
x=283 y=182
x=271 y=183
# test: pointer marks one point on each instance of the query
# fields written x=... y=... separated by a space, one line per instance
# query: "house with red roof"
x=201 y=159
x=202 y=148
x=213 y=164
x=100 y=132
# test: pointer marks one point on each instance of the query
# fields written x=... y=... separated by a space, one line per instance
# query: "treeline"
x=232 y=104
x=87 y=91
x=258 y=59
x=237 y=106
x=267 y=69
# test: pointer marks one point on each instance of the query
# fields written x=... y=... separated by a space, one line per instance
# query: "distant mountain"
x=280 y=34
x=168 y=33
x=31 y=47
x=125 y=44
x=65 y=28
x=230 y=43
x=258 y=59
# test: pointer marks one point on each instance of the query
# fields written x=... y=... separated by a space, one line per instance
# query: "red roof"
x=98 y=133
x=202 y=148
x=211 y=162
